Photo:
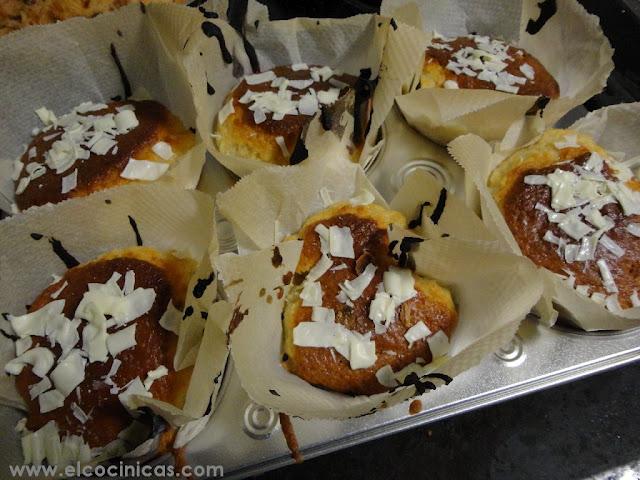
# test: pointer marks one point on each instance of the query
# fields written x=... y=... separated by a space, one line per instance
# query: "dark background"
x=585 y=429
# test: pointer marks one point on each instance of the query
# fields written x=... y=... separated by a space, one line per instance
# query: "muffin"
x=356 y=316
x=574 y=210
x=90 y=340
x=17 y=14
x=479 y=62
x=95 y=147
x=265 y=115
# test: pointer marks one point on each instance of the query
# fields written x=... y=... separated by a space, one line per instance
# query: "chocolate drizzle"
x=364 y=91
x=210 y=89
x=276 y=259
x=538 y=106
x=441 y=376
x=548 y=9
x=207 y=14
x=201 y=285
x=421 y=386
x=236 y=14
x=274 y=392
x=196 y=3
x=68 y=259
x=393 y=24
x=143 y=8
x=417 y=222
x=442 y=202
x=134 y=226
x=123 y=75
x=299 y=153
x=212 y=30
x=188 y=312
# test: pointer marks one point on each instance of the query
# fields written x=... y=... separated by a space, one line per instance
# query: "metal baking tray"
x=245 y=438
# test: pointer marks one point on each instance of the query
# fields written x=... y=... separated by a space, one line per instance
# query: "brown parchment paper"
x=571 y=45
x=348 y=45
x=168 y=219
x=492 y=290
x=60 y=66
x=615 y=128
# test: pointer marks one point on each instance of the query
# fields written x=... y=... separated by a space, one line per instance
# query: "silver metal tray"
x=245 y=438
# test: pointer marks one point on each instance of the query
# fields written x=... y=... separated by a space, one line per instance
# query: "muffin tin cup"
x=166 y=219
x=60 y=66
x=615 y=129
x=492 y=290
x=347 y=45
x=569 y=43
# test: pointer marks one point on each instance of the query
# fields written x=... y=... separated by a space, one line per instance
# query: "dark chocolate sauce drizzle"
x=201 y=285
x=364 y=88
x=207 y=14
x=274 y=392
x=68 y=259
x=196 y=3
x=188 y=312
x=417 y=222
x=210 y=89
x=538 y=106
x=236 y=14
x=143 y=8
x=123 y=75
x=393 y=24
x=204 y=315
x=421 y=386
x=276 y=259
x=445 y=378
x=299 y=153
x=134 y=226
x=548 y=9
x=212 y=30
x=442 y=202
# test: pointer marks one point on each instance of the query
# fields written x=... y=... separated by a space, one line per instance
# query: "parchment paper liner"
x=615 y=128
x=493 y=291
x=168 y=219
x=571 y=45
x=347 y=45
x=60 y=66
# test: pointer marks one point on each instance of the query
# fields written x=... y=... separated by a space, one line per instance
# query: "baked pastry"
x=90 y=340
x=17 y=14
x=574 y=210
x=479 y=62
x=96 y=147
x=358 y=317
x=266 y=114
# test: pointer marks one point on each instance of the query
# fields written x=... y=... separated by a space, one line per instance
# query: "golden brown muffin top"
x=586 y=240
x=301 y=82
x=17 y=14
x=431 y=304
x=88 y=149
x=93 y=409
x=478 y=62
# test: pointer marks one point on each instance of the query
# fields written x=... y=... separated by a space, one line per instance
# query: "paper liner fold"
x=615 y=129
x=60 y=66
x=347 y=45
x=492 y=290
x=168 y=219
x=581 y=67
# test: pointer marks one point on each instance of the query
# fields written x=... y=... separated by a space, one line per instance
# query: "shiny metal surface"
x=537 y=358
